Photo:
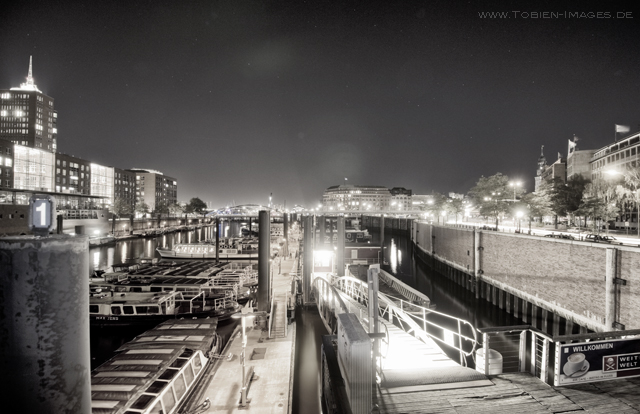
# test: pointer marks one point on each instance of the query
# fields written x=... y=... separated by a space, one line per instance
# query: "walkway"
x=519 y=393
x=419 y=378
x=272 y=360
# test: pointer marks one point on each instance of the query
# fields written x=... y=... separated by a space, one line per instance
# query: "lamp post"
x=244 y=315
x=519 y=215
x=514 y=184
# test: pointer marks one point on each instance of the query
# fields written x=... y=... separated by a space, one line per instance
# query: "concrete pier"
x=44 y=324
x=271 y=360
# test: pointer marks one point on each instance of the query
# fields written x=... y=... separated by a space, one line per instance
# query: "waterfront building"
x=578 y=161
x=72 y=175
x=124 y=187
x=400 y=199
x=557 y=170
x=419 y=202
x=356 y=197
x=154 y=188
x=30 y=164
x=27 y=116
x=102 y=181
x=616 y=157
x=32 y=169
x=6 y=164
x=542 y=165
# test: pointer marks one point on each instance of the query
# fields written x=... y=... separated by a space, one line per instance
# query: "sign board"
x=597 y=361
x=42 y=213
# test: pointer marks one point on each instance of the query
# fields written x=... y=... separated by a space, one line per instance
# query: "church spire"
x=542 y=161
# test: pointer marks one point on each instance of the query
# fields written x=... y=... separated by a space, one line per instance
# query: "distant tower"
x=27 y=116
x=542 y=161
x=542 y=165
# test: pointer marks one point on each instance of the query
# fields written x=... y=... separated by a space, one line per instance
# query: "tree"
x=538 y=204
x=435 y=205
x=599 y=202
x=175 y=209
x=141 y=208
x=196 y=206
x=567 y=197
x=455 y=206
x=119 y=208
x=491 y=195
x=632 y=182
x=162 y=208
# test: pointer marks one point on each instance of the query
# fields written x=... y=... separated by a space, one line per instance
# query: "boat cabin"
x=155 y=372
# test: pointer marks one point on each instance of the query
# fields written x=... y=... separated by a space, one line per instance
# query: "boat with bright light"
x=229 y=249
x=191 y=279
x=157 y=371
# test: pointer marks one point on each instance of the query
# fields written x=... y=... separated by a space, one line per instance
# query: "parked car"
x=600 y=238
x=560 y=236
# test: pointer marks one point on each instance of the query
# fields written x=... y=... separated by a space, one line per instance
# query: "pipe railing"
x=523 y=348
x=270 y=318
x=413 y=315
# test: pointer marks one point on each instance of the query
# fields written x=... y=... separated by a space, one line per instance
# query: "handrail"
x=595 y=335
x=412 y=319
x=270 y=318
x=407 y=290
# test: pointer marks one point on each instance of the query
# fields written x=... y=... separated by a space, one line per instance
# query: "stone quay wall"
x=596 y=285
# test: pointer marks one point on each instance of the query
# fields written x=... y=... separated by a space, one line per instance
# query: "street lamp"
x=244 y=315
x=519 y=215
x=514 y=184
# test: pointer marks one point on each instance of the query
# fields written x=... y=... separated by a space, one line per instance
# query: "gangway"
x=410 y=352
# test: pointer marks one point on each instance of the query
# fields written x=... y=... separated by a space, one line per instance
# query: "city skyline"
x=237 y=101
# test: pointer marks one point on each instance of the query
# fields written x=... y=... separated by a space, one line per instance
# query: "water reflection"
x=393 y=260
x=103 y=257
x=96 y=259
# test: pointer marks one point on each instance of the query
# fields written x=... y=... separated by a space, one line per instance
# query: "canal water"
x=449 y=298
x=104 y=341
x=103 y=257
x=453 y=299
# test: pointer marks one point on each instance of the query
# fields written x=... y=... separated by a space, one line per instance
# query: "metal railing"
x=270 y=318
x=415 y=318
x=523 y=348
x=414 y=295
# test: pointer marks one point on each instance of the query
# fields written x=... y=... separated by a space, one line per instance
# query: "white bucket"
x=495 y=361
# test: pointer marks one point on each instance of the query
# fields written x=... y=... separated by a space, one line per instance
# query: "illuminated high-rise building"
x=27 y=116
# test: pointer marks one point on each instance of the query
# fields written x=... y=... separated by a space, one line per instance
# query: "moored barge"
x=156 y=371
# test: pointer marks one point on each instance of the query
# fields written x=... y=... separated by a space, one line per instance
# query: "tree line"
x=577 y=201
x=122 y=207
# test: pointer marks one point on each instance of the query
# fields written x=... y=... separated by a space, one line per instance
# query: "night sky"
x=239 y=99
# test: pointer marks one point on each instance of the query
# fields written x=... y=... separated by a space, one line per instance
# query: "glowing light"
x=96 y=259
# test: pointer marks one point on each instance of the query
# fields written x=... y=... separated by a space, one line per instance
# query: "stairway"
x=279 y=329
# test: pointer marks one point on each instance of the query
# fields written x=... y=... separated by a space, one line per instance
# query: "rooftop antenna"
x=30 y=76
x=28 y=85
